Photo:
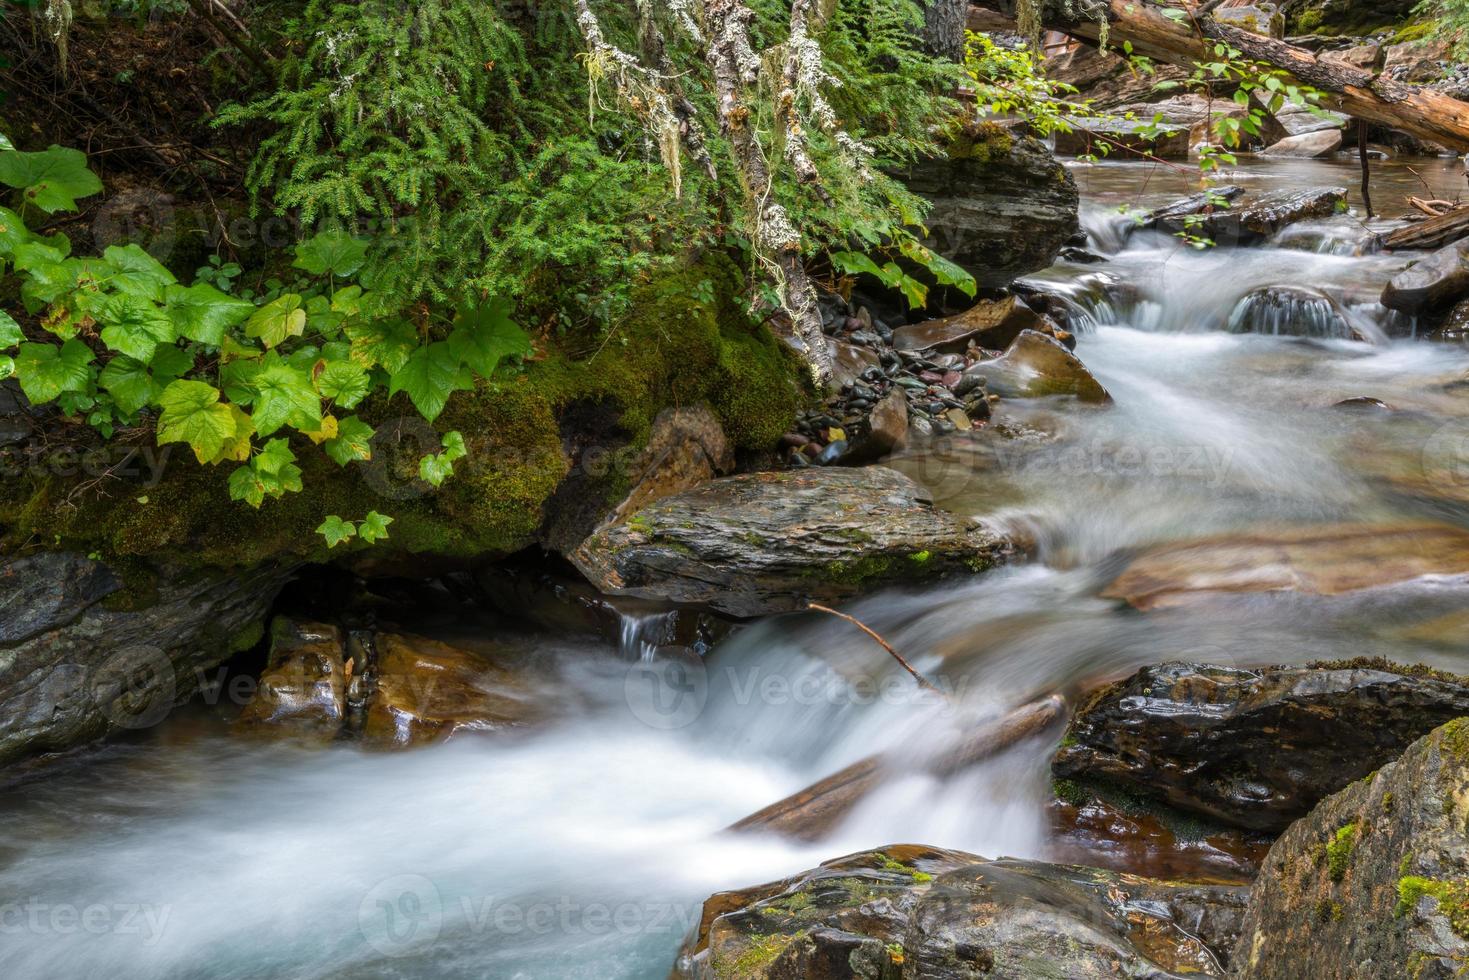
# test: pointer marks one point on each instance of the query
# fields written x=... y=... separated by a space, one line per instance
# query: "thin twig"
x=923 y=682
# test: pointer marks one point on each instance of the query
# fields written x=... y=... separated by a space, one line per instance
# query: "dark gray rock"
x=1253 y=748
x=759 y=543
x=1434 y=282
x=913 y=911
x=1257 y=220
x=77 y=662
x=1292 y=311
x=1171 y=217
x=1001 y=211
x=1374 y=883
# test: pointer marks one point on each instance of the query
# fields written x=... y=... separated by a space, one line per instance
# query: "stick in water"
x=923 y=682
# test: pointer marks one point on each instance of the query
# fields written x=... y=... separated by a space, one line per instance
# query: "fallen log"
x=1431 y=233
x=813 y=811
x=1360 y=93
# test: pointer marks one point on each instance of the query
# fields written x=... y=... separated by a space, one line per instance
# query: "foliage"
x=1009 y=81
x=371 y=529
x=119 y=341
x=1450 y=22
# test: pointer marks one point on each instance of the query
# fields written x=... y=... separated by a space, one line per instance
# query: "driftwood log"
x=815 y=810
x=1359 y=93
x=1431 y=233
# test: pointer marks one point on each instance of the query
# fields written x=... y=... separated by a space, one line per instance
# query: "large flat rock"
x=770 y=542
x=1435 y=282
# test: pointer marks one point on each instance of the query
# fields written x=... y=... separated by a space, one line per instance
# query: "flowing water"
x=585 y=849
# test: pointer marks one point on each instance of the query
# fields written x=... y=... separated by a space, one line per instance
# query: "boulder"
x=1253 y=748
x=82 y=655
x=1123 y=137
x=1191 y=112
x=1297 y=119
x=913 y=911
x=1292 y=311
x=1003 y=206
x=1035 y=366
x=303 y=688
x=1258 y=220
x=1320 y=560
x=1365 y=55
x=1455 y=327
x=1106 y=80
x=1375 y=881
x=760 y=543
x=992 y=323
x=886 y=430
x=1261 y=18
x=1416 y=61
x=427 y=691
x=1171 y=217
x=1322 y=143
x=1434 y=282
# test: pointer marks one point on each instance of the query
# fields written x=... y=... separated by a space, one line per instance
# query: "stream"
x=585 y=850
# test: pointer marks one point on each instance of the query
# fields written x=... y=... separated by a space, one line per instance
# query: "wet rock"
x=82 y=657
x=686 y=446
x=427 y=691
x=1035 y=366
x=1002 y=205
x=1416 y=61
x=1434 y=282
x=1191 y=112
x=1358 y=56
x=1104 y=135
x=1170 y=217
x=1253 y=748
x=303 y=689
x=1362 y=403
x=915 y=911
x=1293 y=119
x=1258 y=220
x=1455 y=327
x=1292 y=311
x=848 y=361
x=1106 y=80
x=992 y=324
x=1322 y=560
x=768 y=542
x=887 y=429
x=1262 y=18
x=1322 y=143
x=1375 y=881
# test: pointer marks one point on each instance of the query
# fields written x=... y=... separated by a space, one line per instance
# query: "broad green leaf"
x=484 y=335
x=453 y=443
x=284 y=396
x=276 y=454
x=384 y=343
x=336 y=530
x=170 y=362
x=374 y=527
x=430 y=377
x=52 y=179
x=353 y=441
x=12 y=231
x=7 y=366
x=272 y=473
x=246 y=485
x=137 y=273
x=854 y=263
x=5 y=143
x=237 y=378
x=203 y=313
x=327 y=430
x=129 y=382
x=277 y=320
x=47 y=371
x=133 y=326
x=435 y=469
x=236 y=447
x=347 y=301
x=193 y=414
x=331 y=252
x=344 y=382
x=10 y=334
x=915 y=292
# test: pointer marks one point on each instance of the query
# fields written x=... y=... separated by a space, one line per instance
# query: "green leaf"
x=484 y=335
x=353 y=441
x=435 y=469
x=374 y=527
x=854 y=263
x=193 y=414
x=133 y=326
x=13 y=231
x=137 y=273
x=430 y=377
x=47 y=371
x=272 y=473
x=130 y=383
x=284 y=396
x=10 y=334
x=344 y=382
x=915 y=292
x=336 y=530
x=274 y=457
x=203 y=313
x=275 y=321
x=453 y=444
x=385 y=343
x=334 y=252
x=52 y=179
x=7 y=366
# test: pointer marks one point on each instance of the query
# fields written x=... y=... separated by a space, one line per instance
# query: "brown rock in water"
x=913 y=911
x=848 y=361
x=686 y=447
x=1374 y=883
x=759 y=543
x=1321 y=560
x=1253 y=748
x=303 y=689
x=1035 y=366
x=427 y=691
x=887 y=430
x=992 y=323
x=1455 y=327
x=1257 y=220
x=1322 y=143
x=1432 y=283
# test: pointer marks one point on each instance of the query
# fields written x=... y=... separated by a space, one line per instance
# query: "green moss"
x=983 y=142
x=1339 y=852
x=1452 y=897
x=248 y=637
x=1387 y=801
x=1414 y=31
x=1070 y=791
x=920 y=557
x=1389 y=667
x=760 y=953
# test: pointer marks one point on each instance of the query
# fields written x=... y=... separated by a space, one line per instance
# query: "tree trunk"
x=943 y=28
x=1359 y=93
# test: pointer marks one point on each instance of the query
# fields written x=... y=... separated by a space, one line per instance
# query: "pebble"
x=832 y=453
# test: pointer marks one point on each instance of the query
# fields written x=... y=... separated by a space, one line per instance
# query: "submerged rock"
x=1440 y=279
x=1254 y=748
x=1002 y=205
x=1375 y=881
x=1035 y=366
x=303 y=688
x=82 y=656
x=992 y=324
x=769 y=542
x=1321 y=560
x=1293 y=311
x=913 y=911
